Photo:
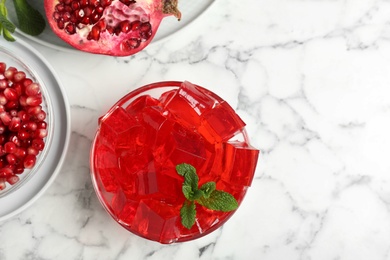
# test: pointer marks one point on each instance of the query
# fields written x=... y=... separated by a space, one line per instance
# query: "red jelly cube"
x=105 y=163
x=221 y=123
x=178 y=144
x=136 y=106
x=118 y=120
x=239 y=163
x=115 y=122
x=154 y=218
x=152 y=119
x=189 y=103
x=131 y=141
x=166 y=96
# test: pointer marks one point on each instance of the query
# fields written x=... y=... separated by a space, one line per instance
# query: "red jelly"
x=141 y=140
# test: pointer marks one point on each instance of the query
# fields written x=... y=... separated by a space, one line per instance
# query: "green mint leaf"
x=208 y=188
x=187 y=214
x=219 y=200
x=8 y=36
x=187 y=191
x=191 y=194
x=7 y=25
x=30 y=20
x=191 y=179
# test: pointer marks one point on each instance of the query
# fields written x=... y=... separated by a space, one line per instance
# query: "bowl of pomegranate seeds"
x=34 y=126
x=171 y=161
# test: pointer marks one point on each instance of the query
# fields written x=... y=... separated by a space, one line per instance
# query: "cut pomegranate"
x=110 y=27
x=22 y=125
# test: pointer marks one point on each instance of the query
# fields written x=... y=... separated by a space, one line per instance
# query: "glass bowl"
x=142 y=138
x=12 y=59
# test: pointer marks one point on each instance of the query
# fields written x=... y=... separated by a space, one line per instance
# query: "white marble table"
x=312 y=81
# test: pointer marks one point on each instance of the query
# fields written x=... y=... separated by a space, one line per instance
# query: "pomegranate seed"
x=23 y=135
x=60 y=24
x=26 y=143
x=34 y=110
x=85 y=20
x=6 y=172
x=41 y=115
x=94 y=17
x=87 y=11
x=70 y=28
x=34 y=100
x=56 y=15
x=23 y=100
x=2 y=184
x=5 y=118
x=42 y=125
x=3 y=99
x=29 y=161
x=19 y=88
x=99 y=9
x=10 y=94
x=33 y=89
x=12 y=179
x=3 y=67
x=75 y=5
x=20 y=152
x=19 y=76
x=3 y=83
x=9 y=73
x=66 y=16
x=95 y=33
x=9 y=147
x=145 y=31
x=84 y=2
x=94 y=2
x=11 y=158
x=11 y=104
x=27 y=82
x=19 y=168
x=59 y=8
x=32 y=126
x=13 y=112
x=135 y=25
x=14 y=138
x=14 y=125
x=131 y=43
x=38 y=144
x=41 y=133
x=105 y=3
x=2 y=129
x=23 y=115
x=2 y=139
x=32 y=150
x=125 y=26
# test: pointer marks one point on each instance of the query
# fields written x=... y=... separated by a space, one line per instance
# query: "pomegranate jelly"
x=139 y=143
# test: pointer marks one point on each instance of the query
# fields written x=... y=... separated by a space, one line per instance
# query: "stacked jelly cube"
x=139 y=144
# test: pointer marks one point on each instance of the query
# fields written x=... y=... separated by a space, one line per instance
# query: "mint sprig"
x=207 y=196
x=6 y=26
x=30 y=20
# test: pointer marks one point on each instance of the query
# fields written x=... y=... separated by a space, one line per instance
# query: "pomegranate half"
x=109 y=27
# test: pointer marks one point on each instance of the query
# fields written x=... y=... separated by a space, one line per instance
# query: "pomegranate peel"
x=109 y=27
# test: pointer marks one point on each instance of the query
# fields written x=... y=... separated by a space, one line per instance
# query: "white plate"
x=190 y=10
x=22 y=197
